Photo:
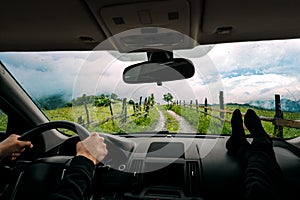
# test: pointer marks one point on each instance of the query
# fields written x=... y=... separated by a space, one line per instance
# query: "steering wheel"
x=77 y=128
x=119 y=148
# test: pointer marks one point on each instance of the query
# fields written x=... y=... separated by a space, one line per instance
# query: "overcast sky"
x=244 y=71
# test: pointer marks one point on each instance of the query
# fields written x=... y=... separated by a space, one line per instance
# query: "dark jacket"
x=77 y=181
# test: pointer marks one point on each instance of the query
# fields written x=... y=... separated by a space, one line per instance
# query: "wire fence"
x=278 y=121
x=140 y=109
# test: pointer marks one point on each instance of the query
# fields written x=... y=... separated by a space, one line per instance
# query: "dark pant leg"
x=262 y=172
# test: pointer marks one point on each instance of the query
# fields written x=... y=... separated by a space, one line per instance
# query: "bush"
x=101 y=100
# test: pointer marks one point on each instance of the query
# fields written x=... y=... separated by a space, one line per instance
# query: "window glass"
x=3 y=121
x=87 y=88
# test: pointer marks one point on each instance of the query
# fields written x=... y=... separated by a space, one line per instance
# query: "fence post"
x=146 y=107
x=221 y=99
x=80 y=120
x=278 y=130
x=197 y=105
x=124 y=111
x=136 y=109
x=205 y=105
x=145 y=103
x=111 y=113
x=86 y=110
x=152 y=100
x=140 y=104
x=191 y=103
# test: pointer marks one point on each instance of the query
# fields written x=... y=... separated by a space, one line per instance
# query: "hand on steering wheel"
x=93 y=148
x=119 y=148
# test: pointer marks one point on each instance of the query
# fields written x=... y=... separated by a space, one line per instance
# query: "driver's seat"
x=36 y=180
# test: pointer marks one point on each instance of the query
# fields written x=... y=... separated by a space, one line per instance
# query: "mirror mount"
x=159 y=56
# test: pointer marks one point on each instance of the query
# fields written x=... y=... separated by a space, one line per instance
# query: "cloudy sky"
x=244 y=71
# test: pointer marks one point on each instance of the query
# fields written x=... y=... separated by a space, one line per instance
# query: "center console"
x=166 y=174
x=163 y=170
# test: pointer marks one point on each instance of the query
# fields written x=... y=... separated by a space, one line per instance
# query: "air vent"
x=193 y=177
x=136 y=169
x=136 y=166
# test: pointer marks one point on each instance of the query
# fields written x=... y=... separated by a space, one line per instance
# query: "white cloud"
x=43 y=73
x=253 y=71
x=233 y=56
x=243 y=89
x=75 y=73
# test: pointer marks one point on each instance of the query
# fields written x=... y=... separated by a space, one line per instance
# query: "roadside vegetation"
x=110 y=114
x=101 y=119
x=206 y=124
x=3 y=121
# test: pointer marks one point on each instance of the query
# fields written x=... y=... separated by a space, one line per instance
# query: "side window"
x=3 y=121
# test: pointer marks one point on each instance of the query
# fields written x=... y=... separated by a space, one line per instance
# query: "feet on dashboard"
x=253 y=124
x=261 y=139
x=237 y=138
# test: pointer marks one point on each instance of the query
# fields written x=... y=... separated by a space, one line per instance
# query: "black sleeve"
x=77 y=181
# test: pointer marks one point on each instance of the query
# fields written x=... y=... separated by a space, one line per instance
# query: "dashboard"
x=157 y=167
x=183 y=167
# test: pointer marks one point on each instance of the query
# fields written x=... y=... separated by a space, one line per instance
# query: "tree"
x=114 y=96
x=168 y=98
x=131 y=102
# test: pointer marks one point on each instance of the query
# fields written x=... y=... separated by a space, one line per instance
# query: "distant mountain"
x=286 y=105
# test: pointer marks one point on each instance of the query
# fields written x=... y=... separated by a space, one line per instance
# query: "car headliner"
x=48 y=25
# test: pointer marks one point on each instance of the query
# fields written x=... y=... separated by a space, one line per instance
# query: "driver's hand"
x=12 y=147
x=93 y=148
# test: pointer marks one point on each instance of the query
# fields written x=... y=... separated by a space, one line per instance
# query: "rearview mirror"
x=151 y=72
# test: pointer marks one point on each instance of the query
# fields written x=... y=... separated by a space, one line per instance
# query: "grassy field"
x=3 y=121
x=139 y=123
x=99 y=115
x=269 y=127
x=207 y=124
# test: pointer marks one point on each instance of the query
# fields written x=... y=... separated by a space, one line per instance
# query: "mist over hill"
x=53 y=101
x=61 y=100
x=286 y=105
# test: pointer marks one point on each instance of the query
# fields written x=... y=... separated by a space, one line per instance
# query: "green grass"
x=3 y=121
x=206 y=124
x=171 y=123
x=97 y=116
x=268 y=126
x=133 y=124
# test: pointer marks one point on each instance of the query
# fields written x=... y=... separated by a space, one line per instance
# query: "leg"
x=237 y=143
x=263 y=173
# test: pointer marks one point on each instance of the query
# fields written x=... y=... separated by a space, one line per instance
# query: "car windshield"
x=87 y=87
